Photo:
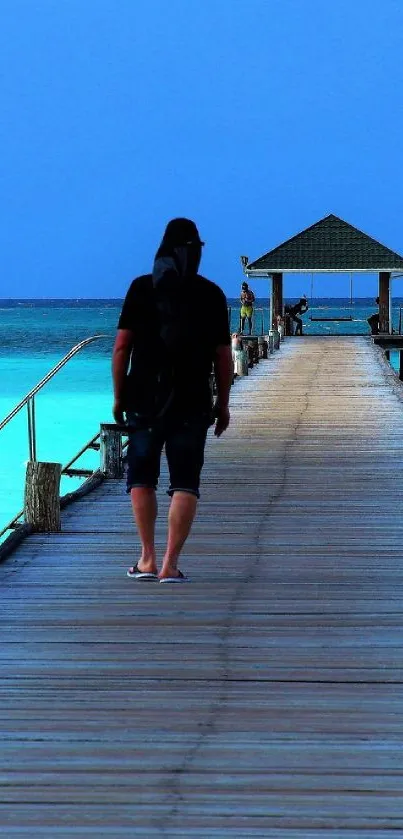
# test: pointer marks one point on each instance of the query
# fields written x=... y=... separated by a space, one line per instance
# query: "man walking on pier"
x=166 y=394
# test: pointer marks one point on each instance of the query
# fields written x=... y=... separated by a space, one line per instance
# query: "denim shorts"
x=184 y=441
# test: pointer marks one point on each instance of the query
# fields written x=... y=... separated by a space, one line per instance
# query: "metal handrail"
x=32 y=393
x=29 y=401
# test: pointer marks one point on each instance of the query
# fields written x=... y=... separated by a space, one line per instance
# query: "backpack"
x=174 y=313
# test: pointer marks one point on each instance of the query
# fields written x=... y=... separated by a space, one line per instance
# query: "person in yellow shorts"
x=247 y=300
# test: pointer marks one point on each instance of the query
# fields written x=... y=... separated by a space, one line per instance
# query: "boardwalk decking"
x=263 y=700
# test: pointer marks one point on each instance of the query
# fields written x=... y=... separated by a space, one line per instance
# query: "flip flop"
x=179 y=579
x=135 y=572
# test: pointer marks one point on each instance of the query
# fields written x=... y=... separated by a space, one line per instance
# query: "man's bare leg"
x=180 y=519
x=144 y=503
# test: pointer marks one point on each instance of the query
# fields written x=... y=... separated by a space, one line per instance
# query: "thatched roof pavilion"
x=331 y=245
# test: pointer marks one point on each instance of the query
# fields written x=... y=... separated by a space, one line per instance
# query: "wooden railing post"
x=111 y=450
x=262 y=346
x=288 y=324
x=240 y=362
x=279 y=325
x=251 y=346
x=276 y=339
x=250 y=354
x=42 y=496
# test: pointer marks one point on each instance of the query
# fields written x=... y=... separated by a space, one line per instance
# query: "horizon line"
x=106 y=299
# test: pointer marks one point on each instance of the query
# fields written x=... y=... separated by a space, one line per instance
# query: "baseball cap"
x=181 y=231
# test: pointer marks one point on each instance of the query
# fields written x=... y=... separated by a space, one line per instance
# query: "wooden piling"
x=262 y=346
x=251 y=345
x=42 y=496
x=240 y=358
x=250 y=354
x=288 y=324
x=111 y=451
x=276 y=339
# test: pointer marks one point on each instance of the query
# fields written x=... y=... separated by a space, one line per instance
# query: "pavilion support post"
x=384 y=302
x=277 y=297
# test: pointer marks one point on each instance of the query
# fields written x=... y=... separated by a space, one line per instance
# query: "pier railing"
x=28 y=400
x=259 y=318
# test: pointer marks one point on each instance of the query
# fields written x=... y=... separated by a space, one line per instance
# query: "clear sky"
x=254 y=117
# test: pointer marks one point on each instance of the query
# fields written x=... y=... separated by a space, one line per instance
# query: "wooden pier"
x=264 y=699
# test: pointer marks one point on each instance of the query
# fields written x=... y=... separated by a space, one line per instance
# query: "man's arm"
x=224 y=372
x=120 y=365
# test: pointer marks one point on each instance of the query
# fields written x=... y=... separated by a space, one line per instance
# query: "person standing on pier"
x=247 y=300
x=165 y=396
x=299 y=309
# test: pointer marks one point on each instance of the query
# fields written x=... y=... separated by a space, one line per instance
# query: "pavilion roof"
x=329 y=245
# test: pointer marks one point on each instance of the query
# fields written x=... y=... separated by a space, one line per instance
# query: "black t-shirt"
x=209 y=329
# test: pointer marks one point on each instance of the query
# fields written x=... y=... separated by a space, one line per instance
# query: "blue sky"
x=254 y=117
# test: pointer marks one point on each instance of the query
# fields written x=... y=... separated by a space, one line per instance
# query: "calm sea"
x=36 y=334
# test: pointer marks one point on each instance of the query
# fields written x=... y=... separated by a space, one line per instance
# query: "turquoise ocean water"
x=35 y=335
